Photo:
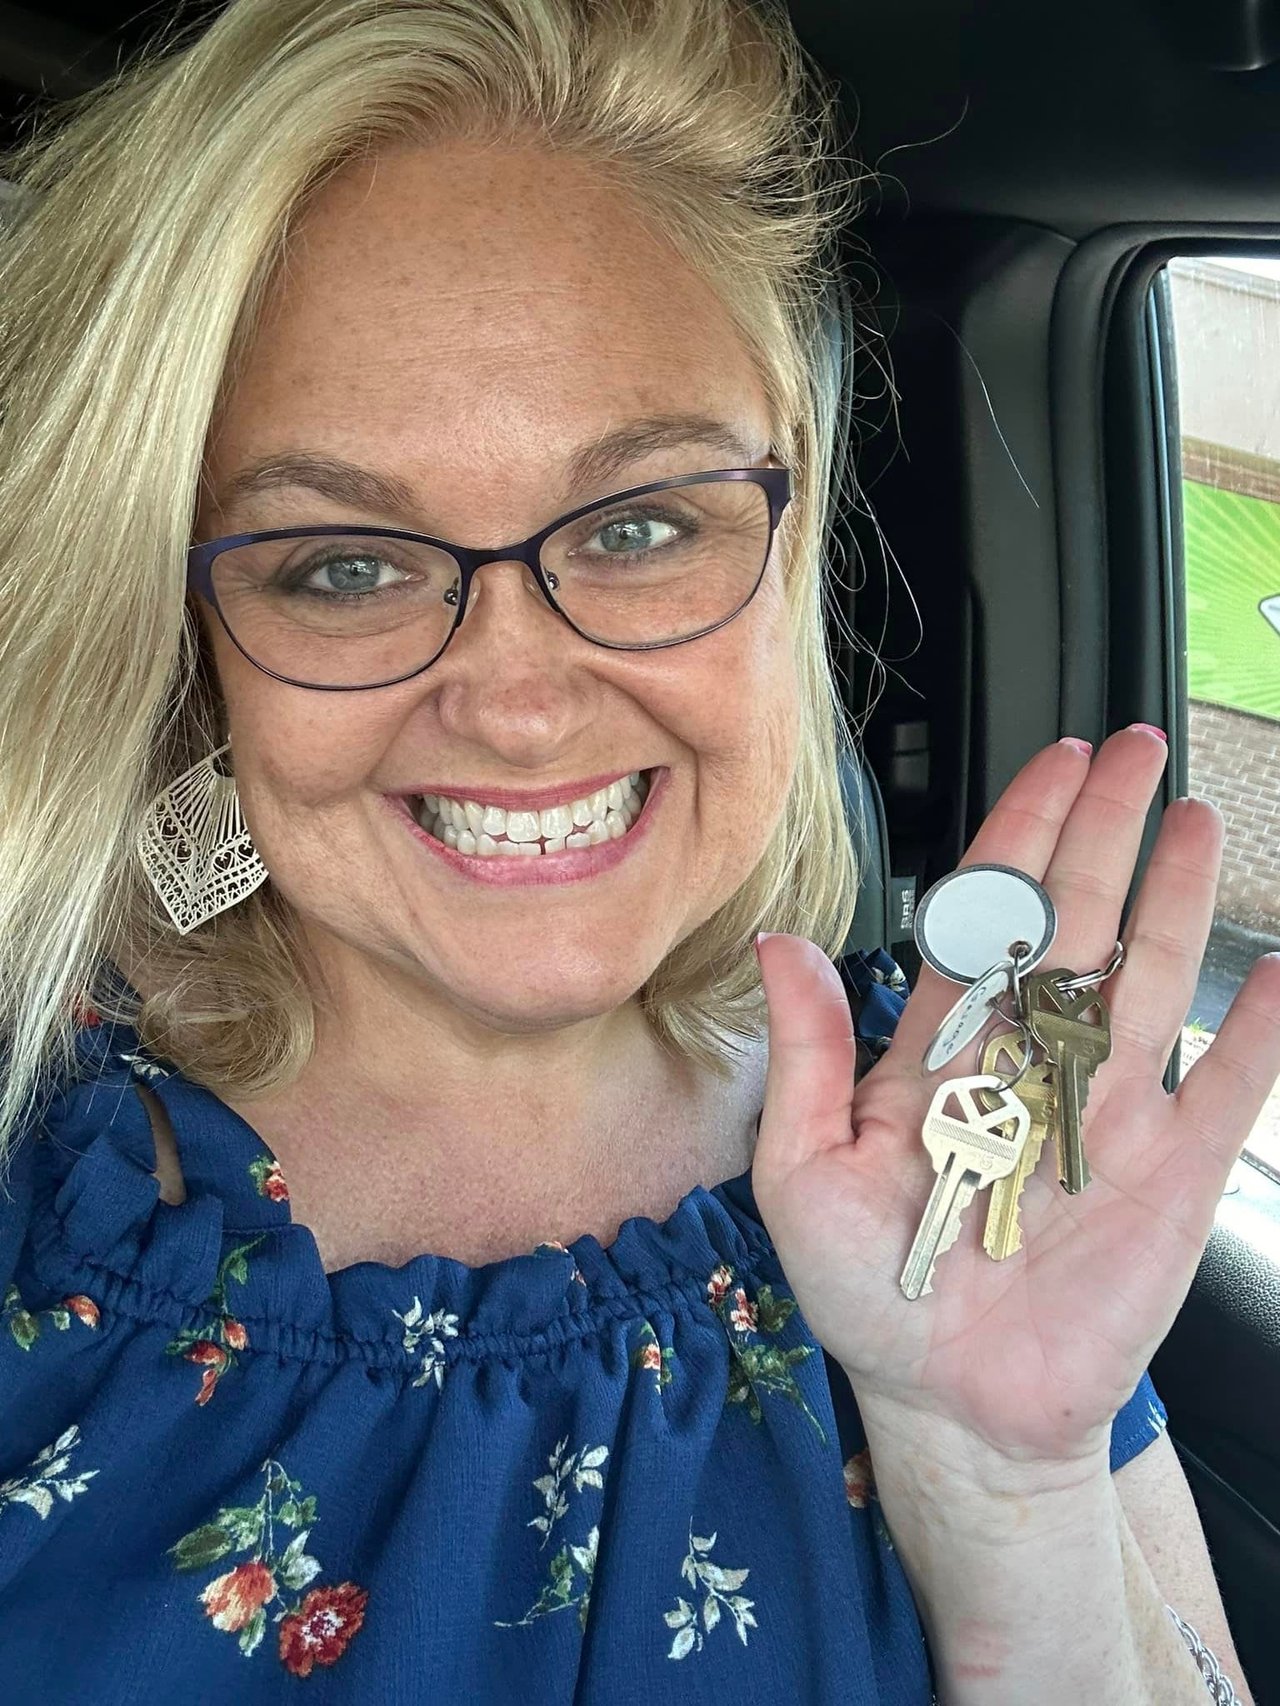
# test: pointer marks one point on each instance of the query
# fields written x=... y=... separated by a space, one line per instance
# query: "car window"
x=1226 y=336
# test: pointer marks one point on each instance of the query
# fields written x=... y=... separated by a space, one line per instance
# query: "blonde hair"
x=152 y=215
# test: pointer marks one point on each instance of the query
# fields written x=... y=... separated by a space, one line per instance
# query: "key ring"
x=1089 y=977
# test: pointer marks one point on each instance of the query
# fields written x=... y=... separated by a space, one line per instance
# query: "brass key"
x=968 y=1153
x=1003 y=1056
x=1076 y=1050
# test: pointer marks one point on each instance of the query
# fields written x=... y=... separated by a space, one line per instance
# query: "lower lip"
x=526 y=870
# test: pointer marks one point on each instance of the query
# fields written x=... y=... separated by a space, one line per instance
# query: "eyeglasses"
x=342 y=608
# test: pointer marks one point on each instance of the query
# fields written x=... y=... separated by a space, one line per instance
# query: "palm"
x=1034 y=1354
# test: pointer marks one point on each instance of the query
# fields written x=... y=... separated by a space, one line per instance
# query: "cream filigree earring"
x=195 y=846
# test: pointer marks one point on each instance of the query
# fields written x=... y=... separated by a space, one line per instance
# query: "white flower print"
x=143 y=1067
x=1158 y=1422
x=584 y=1470
x=437 y=1326
x=43 y=1480
x=719 y=1584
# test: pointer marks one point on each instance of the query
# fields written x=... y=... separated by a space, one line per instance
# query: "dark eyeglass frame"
x=775 y=482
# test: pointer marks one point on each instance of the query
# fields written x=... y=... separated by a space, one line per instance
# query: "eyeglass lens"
x=339 y=611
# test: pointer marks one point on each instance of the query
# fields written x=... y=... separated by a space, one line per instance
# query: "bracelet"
x=1219 y=1686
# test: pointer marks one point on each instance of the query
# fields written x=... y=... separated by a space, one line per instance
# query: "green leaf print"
x=24 y=1323
x=756 y=1368
x=46 y=1477
x=202 y=1546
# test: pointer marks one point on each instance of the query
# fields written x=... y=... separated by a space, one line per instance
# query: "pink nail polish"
x=1080 y=745
x=1151 y=730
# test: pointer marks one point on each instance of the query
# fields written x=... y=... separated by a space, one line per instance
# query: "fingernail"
x=1080 y=745
x=1151 y=730
x=763 y=936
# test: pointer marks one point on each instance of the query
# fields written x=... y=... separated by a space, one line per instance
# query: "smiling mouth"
x=487 y=832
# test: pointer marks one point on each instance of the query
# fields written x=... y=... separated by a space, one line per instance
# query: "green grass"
x=1233 y=563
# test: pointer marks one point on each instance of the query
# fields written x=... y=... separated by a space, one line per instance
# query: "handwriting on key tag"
x=971 y=1012
x=968 y=1153
x=1076 y=1049
x=1004 y=1055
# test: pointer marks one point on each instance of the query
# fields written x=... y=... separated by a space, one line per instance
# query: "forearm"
x=1029 y=1581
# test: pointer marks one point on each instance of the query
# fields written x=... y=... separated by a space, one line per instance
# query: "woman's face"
x=462 y=323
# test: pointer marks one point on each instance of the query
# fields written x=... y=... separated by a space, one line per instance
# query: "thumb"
x=808 y=1096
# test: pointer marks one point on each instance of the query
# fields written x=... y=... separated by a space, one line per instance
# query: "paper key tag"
x=970 y=919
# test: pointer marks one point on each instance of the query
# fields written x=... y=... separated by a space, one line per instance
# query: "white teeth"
x=483 y=831
x=522 y=826
x=556 y=821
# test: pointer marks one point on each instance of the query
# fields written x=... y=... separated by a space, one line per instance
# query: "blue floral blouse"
x=598 y=1476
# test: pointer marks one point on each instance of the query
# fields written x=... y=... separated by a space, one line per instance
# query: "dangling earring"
x=195 y=846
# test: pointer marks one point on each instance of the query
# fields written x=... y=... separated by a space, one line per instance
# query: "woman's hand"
x=1033 y=1356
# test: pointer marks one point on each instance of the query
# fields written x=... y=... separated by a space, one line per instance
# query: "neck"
x=419 y=1126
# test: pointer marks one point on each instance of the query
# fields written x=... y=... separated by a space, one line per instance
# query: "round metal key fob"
x=970 y=919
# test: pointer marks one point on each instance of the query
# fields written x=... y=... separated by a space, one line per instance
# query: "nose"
x=515 y=677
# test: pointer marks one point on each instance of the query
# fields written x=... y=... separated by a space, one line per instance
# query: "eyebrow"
x=594 y=462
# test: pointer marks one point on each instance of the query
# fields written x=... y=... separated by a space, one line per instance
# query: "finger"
x=1168 y=929
x=808 y=1097
x=1225 y=1090
x=1091 y=868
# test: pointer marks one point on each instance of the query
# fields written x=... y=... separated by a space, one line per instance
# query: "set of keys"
x=990 y=927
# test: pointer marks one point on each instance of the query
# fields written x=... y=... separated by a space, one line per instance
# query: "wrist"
x=930 y=1470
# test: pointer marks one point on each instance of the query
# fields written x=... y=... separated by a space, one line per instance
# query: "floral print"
x=214 y=1343
x=266 y=1175
x=313 y=1630
x=718 y=1585
x=755 y=1369
x=435 y=1328
x=561 y=1591
x=860 y=1490
x=24 y=1323
x=45 y=1477
x=649 y=1353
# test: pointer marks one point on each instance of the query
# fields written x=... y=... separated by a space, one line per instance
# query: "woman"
x=348 y=293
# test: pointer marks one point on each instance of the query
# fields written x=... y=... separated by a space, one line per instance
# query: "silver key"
x=968 y=1153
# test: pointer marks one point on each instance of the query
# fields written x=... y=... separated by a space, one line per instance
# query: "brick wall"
x=1235 y=762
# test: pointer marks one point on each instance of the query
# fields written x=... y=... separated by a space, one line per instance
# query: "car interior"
x=1007 y=557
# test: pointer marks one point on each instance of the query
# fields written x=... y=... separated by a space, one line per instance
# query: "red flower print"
x=318 y=1632
x=743 y=1315
x=204 y=1350
x=651 y=1355
x=208 y=1381
x=274 y=1186
x=234 y=1334
x=231 y=1600
x=718 y=1285
x=83 y=1308
x=859 y=1480
x=83 y=1016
